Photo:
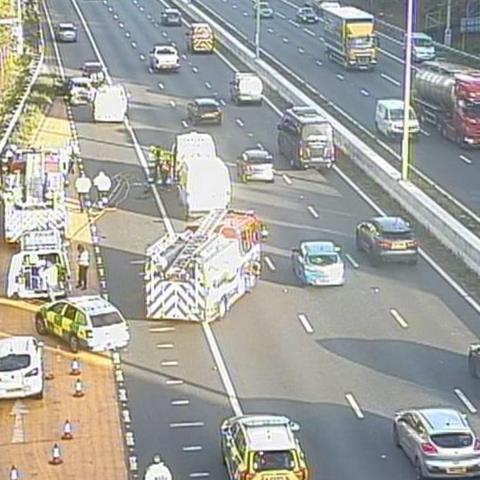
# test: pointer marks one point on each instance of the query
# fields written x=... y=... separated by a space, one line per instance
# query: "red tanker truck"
x=448 y=96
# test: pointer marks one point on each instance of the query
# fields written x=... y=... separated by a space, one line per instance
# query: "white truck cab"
x=246 y=87
x=110 y=104
x=21 y=367
x=389 y=115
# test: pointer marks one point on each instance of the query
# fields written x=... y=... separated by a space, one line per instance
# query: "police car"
x=87 y=321
x=258 y=447
x=21 y=367
x=318 y=263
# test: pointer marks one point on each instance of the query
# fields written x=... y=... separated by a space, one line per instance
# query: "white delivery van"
x=246 y=87
x=21 y=367
x=204 y=186
x=193 y=145
x=389 y=115
x=110 y=104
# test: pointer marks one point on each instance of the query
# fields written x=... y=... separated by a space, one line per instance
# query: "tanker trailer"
x=448 y=96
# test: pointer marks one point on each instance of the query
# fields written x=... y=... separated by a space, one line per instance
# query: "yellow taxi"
x=262 y=447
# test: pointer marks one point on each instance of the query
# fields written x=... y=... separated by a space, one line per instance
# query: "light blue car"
x=318 y=263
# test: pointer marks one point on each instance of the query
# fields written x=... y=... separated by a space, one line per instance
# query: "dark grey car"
x=171 y=17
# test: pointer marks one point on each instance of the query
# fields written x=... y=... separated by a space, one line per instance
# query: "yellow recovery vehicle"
x=200 y=38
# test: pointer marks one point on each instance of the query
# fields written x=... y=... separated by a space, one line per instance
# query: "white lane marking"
x=319 y=62
x=192 y=448
x=301 y=50
x=208 y=85
x=239 y=122
x=234 y=6
x=199 y=475
x=184 y=124
x=134 y=44
x=399 y=319
x=161 y=329
x=270 y=30
x=352 y=261
x=142 y=57
x=269 y=263
x=388 y=78
x=115 y=17
x=340 y=76
x=355 y=407
x=184 y=57
x=110 y=9
x=150 y=70
x=164 y=34
x=286 y=179
x=180 y=402
x=424 y=132
x=121 y=24
x=281 y=15
x=169 y=363
x=305 y=323
x=465 y=159
x=312 y=211
x=260 y=146
x=309 y=32
x=161 y=86
x=174 y=381
x=285 y=40
x=165 y=346
x=222 y=101
x=364 y=92
x=195 y=69
x=172 y=103
x=141 y=9
x=187 y=424
x=127 y=34
x=245 y=14
x=293 y=22
x=471 y=408
x=222 y=369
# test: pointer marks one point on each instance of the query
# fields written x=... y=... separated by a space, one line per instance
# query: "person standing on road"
x=83 y=262
x=83 y=185
x=103 y=185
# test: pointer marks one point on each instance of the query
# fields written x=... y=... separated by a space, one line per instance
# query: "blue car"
x=318 y=263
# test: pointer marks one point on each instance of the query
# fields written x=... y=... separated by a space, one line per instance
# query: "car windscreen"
x=66 y=29
x=12 y=362
x=452 y=440
x=173 y=15
x=307 y=11
x=397 y=235
x=106 y=319
x=259 y=159
x=471 y=108
x=323 y=259
x=397 y=114
x=423 y=42
x=165 y=51
x=315 y=130
x=208 y=108
x=280 y=460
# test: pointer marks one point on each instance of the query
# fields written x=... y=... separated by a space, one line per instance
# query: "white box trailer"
x=110 y=104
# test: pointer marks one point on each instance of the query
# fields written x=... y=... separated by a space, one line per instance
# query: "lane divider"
x=355 y=406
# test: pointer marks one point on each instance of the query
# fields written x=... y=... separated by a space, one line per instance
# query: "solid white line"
x=471 y=408
x=306 y=324
x=180 y=402
x=161 y=329
x=286 y=179
x=465 y=159
x=239 y=122
x=312 y=211
x=352 y=261
x=281 y=15
x=55 y=45
x=269 y=263
x=192 y=448
x=186 y=424
x=388 y=78
x=355 y=407
x=169 y=363
x=400 y=320
x=173 y=381
x=164 y=346
x=309 y=32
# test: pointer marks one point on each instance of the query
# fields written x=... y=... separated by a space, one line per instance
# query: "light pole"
x=257 y=29
x=406 y=93
x=447 y=37
x=19 y=28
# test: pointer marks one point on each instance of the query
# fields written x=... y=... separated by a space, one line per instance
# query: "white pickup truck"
x=164 y=58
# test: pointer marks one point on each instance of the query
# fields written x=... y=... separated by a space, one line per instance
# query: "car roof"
x=206 y=102
x=392 y=224
x=17 y=344
x=443 y=420
x=305 y=114
x=318 y=247
x=91 y=304
x=257 y=152
x=391 y=103
x=267 y=432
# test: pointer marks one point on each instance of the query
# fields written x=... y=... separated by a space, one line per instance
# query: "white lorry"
x=110 y=104
x=40 y=269
x=246 y=87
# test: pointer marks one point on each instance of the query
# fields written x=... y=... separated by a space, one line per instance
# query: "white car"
x=164 y=58
x=21 y=367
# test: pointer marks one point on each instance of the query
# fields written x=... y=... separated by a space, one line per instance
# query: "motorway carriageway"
x=340 y=361
x=300 y=48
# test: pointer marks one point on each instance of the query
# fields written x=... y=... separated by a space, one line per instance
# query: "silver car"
x=438 y=441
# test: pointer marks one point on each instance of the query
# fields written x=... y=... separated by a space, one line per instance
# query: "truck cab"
x=389 y=116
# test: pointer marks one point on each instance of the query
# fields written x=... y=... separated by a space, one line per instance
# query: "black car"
x=387 y=239
x=204 y=110
x=306 y=15
x=171 y=17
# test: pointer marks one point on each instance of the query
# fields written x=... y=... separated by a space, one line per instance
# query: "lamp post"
x=406 y=92
x=19 y=28
x=447 y=37
x=257 y=29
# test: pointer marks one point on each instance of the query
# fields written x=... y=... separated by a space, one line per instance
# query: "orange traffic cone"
x=56 y=456
x=78 y=389
x=67 y=431
x=14 y=473
x=75 y=367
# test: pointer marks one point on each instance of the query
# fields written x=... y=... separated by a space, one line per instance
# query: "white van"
x=110 y=104
x=204 y=185
x=389 y=115
x=246 y=87
x=21 y=367
x=193 y=144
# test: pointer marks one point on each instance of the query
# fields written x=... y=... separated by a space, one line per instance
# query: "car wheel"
x=418 y=470
x=73 y=343
x=40 y=325
x=396 y=439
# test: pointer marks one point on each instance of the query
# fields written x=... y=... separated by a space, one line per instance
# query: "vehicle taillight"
x=246 y=476
x=429 y=448
x=302 y=474
x=32 y=373
x=476 y=446
x=385 y=244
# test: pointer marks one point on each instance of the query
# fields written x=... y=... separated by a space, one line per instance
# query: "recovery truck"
x=199 y=274
x=448 y=96
x=33 y=193
x=40 y=269
x=350 y=37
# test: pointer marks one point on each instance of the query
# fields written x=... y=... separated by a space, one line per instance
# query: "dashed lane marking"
x=199 y=475
x=388 y=78
x=164 y=34
x=195 y=69
x=340 y=76
x=239 y=122
x=172 y=103
x=301 y=50
x=364 y=92
x=269 y=263
x=208 y=85
x=319 y=63
x=294 y=23
x=161 y=329
x=161 y=86
x=355 y=407
x=398 y=318
x=121 y=25
x=270 y=30
x=234 y=6
x=424 y=132
x=281 y=15
x=309 y=32
x=180 y=402
x=245 y=14
x=286 y=179
x=187 y=424
x=192 y=448
x=174 y=381
x=169 y=363
x=312 y=211
x=465 y=159
x=134 y=44
x=184 y=124
x=285 y=40
x=305 y=323
x=260 y=146
x=165 y=346
x=352 y=261
x=463 y=398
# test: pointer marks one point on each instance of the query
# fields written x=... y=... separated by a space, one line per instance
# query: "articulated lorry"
x=448 y=96
x=350 y=38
